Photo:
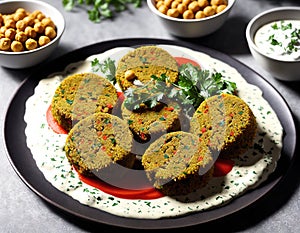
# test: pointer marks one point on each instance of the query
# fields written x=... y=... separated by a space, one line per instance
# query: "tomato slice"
x=184 y=60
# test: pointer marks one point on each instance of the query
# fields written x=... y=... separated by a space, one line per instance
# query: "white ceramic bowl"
x=282 y=69
x=192 y=28
x=25 y=59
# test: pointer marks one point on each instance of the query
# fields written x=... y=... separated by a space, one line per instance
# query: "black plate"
x=25 y=166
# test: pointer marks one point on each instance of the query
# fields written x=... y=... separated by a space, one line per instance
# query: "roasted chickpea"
x=39 y=27
x=50 y=32
x=129 y=75
x=163 y=9
x=21 y=11
x=21 y=37
x=188 y=14
x=209 y=11
x=10 y=23
x=3 y=29
x=173 y=13
x=19 y=16
x=220 y=8
x=48 y=22
x=5 y=44
x=35 y=13
x=217 y=2
x=17 y=46
x=186 y=2
x=194 y=6
x=199 y=15
x=174 y=4
x=168 y=3
x=10 y=33
x=21 y=25
x=30 y=32
x=159 y=3
x=203 y=3
x=31 y=44
x=40 y=16
x=28 y=20
x=43 y=40
x=181 y=8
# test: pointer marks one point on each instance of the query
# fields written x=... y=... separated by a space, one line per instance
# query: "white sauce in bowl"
x=279 y=39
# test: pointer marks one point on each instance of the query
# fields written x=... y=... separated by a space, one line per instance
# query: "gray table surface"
x=21 y=210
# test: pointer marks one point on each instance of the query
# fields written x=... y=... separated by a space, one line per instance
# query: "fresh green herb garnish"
x=293 y=37
x=194 y=86
x=101 y=9
x=108 y=68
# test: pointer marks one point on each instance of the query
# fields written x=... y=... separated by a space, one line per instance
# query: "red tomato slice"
x=223 y=167
x=184 y=60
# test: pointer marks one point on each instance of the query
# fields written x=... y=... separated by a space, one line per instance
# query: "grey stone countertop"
x=21 y=210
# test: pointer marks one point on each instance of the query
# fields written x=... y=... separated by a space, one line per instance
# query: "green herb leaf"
x=101 y=9
x=108 y=68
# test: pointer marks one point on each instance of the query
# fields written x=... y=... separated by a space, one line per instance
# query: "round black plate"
x=25 y=166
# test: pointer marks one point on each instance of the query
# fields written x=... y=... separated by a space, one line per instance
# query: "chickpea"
x=3 y=29
x=21 y=25
x=10 y=23
x=199 y=15
x=188 y=14
x=39 y=27
x=40 y=16
x=174 y=4
x=203 y=3
x=48 y=22
x=129 y=75
x=2 y=35
x=5 y=44
x=186 y=2
x=181 y=8
x=194 y=6
x=17 y=46
x=50 y=32
x=173 y=13
x=19 y=16
x=10 y=33
x=209 y=11
x=21 y=11
x=163 y=9
x=35 y=13
x=43 y=40
x=220 y=8
x=159 y=3
x=217 y=2
x=28 y=20
x=30 y=32
x=31 y=44
x=168 y=3
x=21 y=37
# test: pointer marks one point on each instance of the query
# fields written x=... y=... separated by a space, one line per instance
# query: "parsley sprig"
x=108 y=68
x=193 y=87
x=101 y=9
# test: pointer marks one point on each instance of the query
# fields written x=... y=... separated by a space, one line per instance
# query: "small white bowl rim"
x=260 y=15
x=157 y=12
x=63 y=23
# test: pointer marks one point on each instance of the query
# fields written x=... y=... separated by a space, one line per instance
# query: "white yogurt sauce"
x=249 y=171
x=280 y=39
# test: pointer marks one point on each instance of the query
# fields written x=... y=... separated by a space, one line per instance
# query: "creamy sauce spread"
x=249 y=171
x=280 y=39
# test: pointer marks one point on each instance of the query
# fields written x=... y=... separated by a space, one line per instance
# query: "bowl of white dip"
x=273 y=38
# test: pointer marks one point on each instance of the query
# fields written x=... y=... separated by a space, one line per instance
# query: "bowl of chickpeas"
x=29 y=32
x=191 y=18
